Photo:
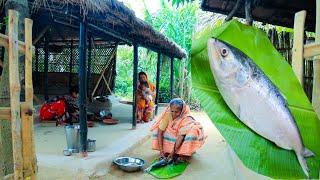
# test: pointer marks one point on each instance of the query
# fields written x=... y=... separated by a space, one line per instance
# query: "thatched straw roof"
x=277 y=12
x=109 y=18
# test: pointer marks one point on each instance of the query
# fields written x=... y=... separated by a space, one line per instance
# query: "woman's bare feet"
x=83 y=154
x=182 y=159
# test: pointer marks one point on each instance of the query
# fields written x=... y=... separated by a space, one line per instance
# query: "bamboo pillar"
x=181 y=80
x=15 y=94
x=171 y=77
x=29 y=159
x=70 y=64
x=37 y=63
x=89 y=67
x=297 y=49
x=158 y=81
x=135 y=79
x=82 y=86
x=114 y=70
x=316 y=66
x=46 y=65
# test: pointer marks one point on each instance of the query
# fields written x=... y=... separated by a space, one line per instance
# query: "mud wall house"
x=76 y=41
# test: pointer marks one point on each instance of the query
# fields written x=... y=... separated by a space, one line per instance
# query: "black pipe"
x=135 y=79
x=46 y=64
x=233 y=11
x=248 y=12
x=89 y=67
x=171 y=77
x=158 y=81
x=82 y=87
x=70 y=64
x=37 y=63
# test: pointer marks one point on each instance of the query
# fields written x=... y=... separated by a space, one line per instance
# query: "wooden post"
x=171 y=76
x=89 y=67
x=29 y=159
x=46 y=65
x=70 y=64
x=114 y=70
x=37 y=63
x=181 y=76
x=15 y=94
x=297 y=49
x=82 y=86
x=135 y=79
x=316 y=66
x=158 y=81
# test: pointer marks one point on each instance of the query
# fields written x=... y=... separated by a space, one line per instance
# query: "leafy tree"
x=177 y=24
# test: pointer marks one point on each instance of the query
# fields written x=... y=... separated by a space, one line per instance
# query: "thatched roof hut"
x=109 y=23
x=277 y=12
x=109 y=18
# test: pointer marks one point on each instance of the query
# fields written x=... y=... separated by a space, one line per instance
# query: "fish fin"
x=283 y=95
x=307 y=153
x=239 y=112
x=303 y=164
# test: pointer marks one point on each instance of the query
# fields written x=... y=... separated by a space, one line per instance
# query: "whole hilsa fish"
x=254 y=99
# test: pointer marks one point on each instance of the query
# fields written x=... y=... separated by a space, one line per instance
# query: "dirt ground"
x=215 y=160
x=212 y=161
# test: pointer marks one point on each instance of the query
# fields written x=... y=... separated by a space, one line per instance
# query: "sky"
x=138 y=7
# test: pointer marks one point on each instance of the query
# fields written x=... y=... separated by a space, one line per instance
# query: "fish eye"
x=224 y=52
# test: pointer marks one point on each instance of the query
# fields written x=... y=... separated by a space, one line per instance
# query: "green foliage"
x=4 y=22
x=256 y=152
x=176 y=23
x=179 y=2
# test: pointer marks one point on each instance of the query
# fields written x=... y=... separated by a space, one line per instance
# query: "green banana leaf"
x=169 y=171
x=257 y=153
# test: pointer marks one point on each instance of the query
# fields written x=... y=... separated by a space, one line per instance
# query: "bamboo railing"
x=301 y=51
x=20 y=113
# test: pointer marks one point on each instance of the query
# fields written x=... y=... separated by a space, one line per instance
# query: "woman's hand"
x=171 y=155
x=162 y=154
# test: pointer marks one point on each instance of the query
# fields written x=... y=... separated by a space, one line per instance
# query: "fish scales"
x=254 y=99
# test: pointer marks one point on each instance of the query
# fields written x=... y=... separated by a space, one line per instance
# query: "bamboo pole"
x=102 y=73
x=297 y=49
x=171 y=76
x=4 y=41
x=311 y=50
x=82 y=87
x=160 y=56
x=134 y=84
x=29 y=160
x=5 y=113
x=15 y=94
x=316 y=66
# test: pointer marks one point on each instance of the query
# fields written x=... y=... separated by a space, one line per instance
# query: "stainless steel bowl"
x=129 y=164
x=67 y=152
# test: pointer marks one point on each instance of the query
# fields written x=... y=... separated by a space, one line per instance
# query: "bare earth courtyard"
x=215 y=160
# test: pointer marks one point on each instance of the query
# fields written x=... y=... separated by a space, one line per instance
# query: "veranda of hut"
x=76 y=44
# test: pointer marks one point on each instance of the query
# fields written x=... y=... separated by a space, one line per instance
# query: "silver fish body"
x=254 y=99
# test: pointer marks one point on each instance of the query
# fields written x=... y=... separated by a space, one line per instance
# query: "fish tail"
x=303 y=164
x=307 y=153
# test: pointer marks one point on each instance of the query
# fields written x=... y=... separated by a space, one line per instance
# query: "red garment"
x=50 y=111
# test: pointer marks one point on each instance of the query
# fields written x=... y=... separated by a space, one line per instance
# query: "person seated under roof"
x=176 y=134
x=145 y=98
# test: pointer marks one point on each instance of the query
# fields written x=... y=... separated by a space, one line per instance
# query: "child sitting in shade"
x=147 y=95
x=146 y=102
